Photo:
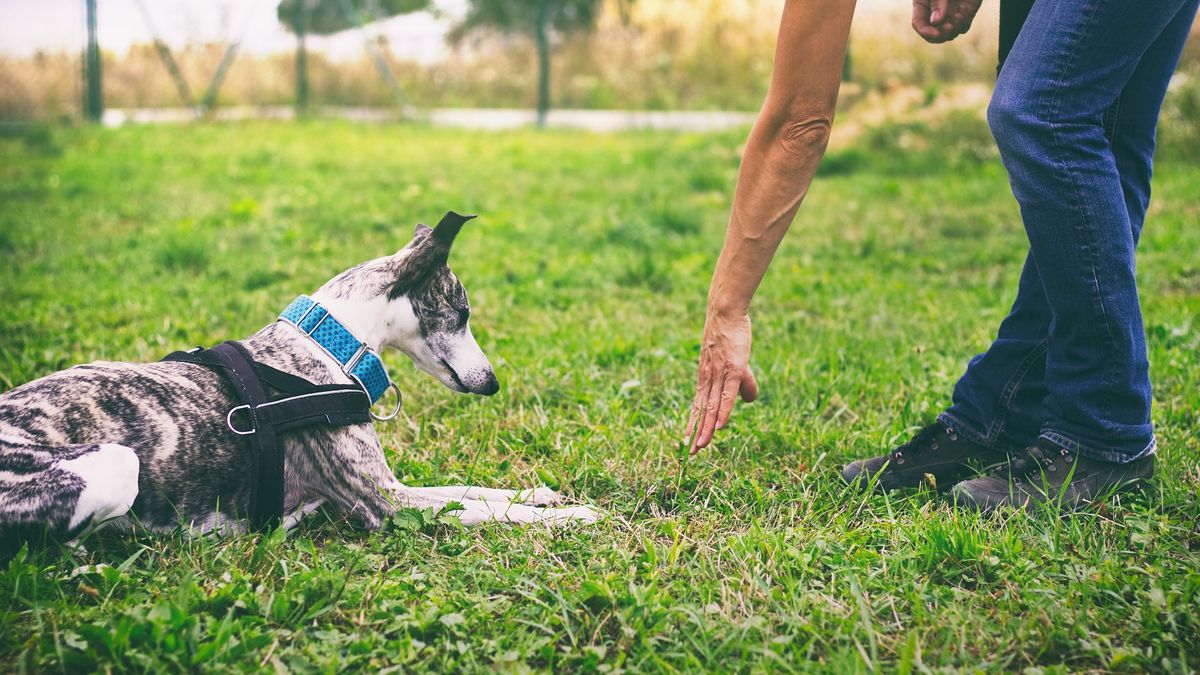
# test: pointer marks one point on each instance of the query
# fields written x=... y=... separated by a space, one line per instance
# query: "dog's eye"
x=463 y=315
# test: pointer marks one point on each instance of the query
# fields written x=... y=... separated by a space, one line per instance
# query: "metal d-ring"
x=399 y=403
x=229 y=420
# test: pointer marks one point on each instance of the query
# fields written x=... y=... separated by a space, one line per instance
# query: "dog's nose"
x=490 y=386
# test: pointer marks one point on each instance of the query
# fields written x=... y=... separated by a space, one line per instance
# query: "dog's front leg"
x=539 y=496
x=349 y=470
x=372 y=513
x=356 y=478
x=476 y=512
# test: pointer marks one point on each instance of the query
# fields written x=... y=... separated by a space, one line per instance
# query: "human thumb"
x=937 y=11
x=749 y=387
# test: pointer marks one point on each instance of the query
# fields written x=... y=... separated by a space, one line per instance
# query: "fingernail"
x=935 y=16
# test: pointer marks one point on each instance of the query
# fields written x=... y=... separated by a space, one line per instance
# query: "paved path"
x=594 y=120
x=494 y=119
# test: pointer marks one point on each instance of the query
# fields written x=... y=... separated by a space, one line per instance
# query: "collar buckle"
x=358 y=356
x=336 y=340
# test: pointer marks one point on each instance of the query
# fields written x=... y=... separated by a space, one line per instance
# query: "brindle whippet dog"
x=153 y=443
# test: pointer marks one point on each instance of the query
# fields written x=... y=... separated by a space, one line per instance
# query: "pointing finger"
x=709 y=419
x=729 y=395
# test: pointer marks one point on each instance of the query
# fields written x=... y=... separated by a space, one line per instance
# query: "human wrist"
x=722 y=310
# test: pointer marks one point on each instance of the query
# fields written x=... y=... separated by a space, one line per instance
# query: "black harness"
x=271 y=403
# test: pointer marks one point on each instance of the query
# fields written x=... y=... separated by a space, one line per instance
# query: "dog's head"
x=413 y=302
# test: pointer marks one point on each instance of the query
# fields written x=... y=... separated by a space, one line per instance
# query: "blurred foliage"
x=521 y=16
x=959 y=140
x=650 y=55
x=1179 y=126
x=538 y=18
x=331 y=16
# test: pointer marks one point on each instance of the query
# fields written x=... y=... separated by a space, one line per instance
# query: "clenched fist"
x=943 y=20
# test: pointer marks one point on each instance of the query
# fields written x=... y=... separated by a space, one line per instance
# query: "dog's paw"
x=540 y=496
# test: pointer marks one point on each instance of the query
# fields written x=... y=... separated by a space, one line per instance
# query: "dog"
x=156 y=444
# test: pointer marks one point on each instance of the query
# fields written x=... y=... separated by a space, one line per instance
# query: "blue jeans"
x=1074 y=115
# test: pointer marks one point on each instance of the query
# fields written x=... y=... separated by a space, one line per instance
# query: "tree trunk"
x=542 y=36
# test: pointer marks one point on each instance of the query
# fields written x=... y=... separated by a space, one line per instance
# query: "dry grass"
x=662 y=54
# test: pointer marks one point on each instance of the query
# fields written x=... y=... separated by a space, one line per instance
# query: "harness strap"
x=263 y=417
x=338 y=407
x=266 y=486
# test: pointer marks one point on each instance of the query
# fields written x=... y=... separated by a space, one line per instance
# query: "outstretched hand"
x=943 y=20
x=724 y=373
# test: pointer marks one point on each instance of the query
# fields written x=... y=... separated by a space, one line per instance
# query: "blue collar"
x=357 y=358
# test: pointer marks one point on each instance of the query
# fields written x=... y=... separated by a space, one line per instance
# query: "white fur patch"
x=476 y=512
x=468 y=360
x=110 y=477
x=540 y=496
x=486 y=505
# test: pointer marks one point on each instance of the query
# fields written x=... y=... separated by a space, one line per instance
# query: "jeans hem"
x=1099 y=454
x=971 y=433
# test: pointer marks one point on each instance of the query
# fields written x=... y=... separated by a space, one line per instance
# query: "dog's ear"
x=434 y=249
x=447 y=229
x=443 y=235
x=427 y=253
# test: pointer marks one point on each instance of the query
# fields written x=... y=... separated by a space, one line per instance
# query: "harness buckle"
x=229 y=421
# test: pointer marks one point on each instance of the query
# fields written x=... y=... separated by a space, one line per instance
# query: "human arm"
x=778 y=165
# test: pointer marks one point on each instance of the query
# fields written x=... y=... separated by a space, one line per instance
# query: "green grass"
x=587 y=271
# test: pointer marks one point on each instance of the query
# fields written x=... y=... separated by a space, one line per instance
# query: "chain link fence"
x=180 y=59
x=201 y=56
x=41 y=71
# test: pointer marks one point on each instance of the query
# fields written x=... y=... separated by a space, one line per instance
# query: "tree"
x=324 y=17
x=536 y=17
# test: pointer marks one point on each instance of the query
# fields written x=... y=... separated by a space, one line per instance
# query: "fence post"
x=301 y=57
x=94 y=99
x=541 y=30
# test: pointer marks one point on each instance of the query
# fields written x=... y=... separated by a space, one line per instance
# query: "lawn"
x=587 y=271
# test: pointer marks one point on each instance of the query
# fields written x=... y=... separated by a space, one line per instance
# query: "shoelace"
x=927 y=437
x=1035 y=459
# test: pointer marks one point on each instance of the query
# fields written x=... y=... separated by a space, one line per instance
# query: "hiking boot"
x=936 y=450
x=1047 y=472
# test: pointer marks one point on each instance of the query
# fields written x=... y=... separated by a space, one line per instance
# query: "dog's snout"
x=490 y=385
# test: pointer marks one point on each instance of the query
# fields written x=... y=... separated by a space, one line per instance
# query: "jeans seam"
x=1080 y=205
x=1113 y=119
x=1010 y=390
